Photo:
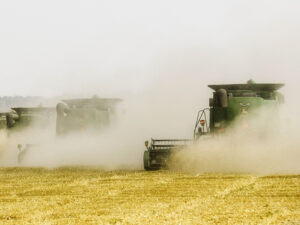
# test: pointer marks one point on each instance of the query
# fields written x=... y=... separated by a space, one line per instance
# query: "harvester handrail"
x=201 y=113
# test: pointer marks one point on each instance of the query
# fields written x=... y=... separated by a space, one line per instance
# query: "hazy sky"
x=106 y=47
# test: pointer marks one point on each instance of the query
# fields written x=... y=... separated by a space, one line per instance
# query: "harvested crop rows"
x=90 y=196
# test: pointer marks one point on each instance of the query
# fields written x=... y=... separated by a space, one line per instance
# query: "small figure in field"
x=22 y=152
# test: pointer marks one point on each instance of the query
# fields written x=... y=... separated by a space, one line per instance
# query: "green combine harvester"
x=229 y=102
x=72 y=115
x=80 y=115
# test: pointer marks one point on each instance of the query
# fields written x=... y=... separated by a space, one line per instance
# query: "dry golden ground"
x=90 y=196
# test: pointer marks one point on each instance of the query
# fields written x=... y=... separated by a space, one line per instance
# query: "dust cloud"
x=269 y=144
x=159 y=57
x=119 y=146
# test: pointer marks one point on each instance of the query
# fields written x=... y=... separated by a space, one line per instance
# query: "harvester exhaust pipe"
x=222 y=98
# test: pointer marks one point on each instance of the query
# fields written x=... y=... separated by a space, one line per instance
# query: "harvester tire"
x=146 y=160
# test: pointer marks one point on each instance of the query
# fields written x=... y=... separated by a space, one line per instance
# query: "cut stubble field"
x=91 y=196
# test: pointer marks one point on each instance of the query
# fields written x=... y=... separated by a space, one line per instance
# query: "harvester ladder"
x=202 y=116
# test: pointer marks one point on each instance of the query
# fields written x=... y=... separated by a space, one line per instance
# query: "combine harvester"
x=229 y=102
x=72 y=115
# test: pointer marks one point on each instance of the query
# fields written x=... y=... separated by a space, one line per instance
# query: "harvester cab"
x=75 y=115
x=234 y=101
x=229 y=102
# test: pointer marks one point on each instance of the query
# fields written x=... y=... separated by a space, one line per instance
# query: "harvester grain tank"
x=229 y=102
x=75 y=115
x=24 y=117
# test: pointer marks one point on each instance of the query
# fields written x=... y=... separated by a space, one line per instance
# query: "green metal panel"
x=239 y=105
x=32 y=116
x=218 y=118
x=2 y=122
x=85 y=114
x=246 y=100
x=83 y=118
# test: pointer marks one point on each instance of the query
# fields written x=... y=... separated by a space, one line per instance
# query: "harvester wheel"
x=146 y=160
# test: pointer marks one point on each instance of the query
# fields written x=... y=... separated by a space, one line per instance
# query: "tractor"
x=229 y=102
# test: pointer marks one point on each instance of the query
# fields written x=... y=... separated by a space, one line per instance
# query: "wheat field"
x=91 y=196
